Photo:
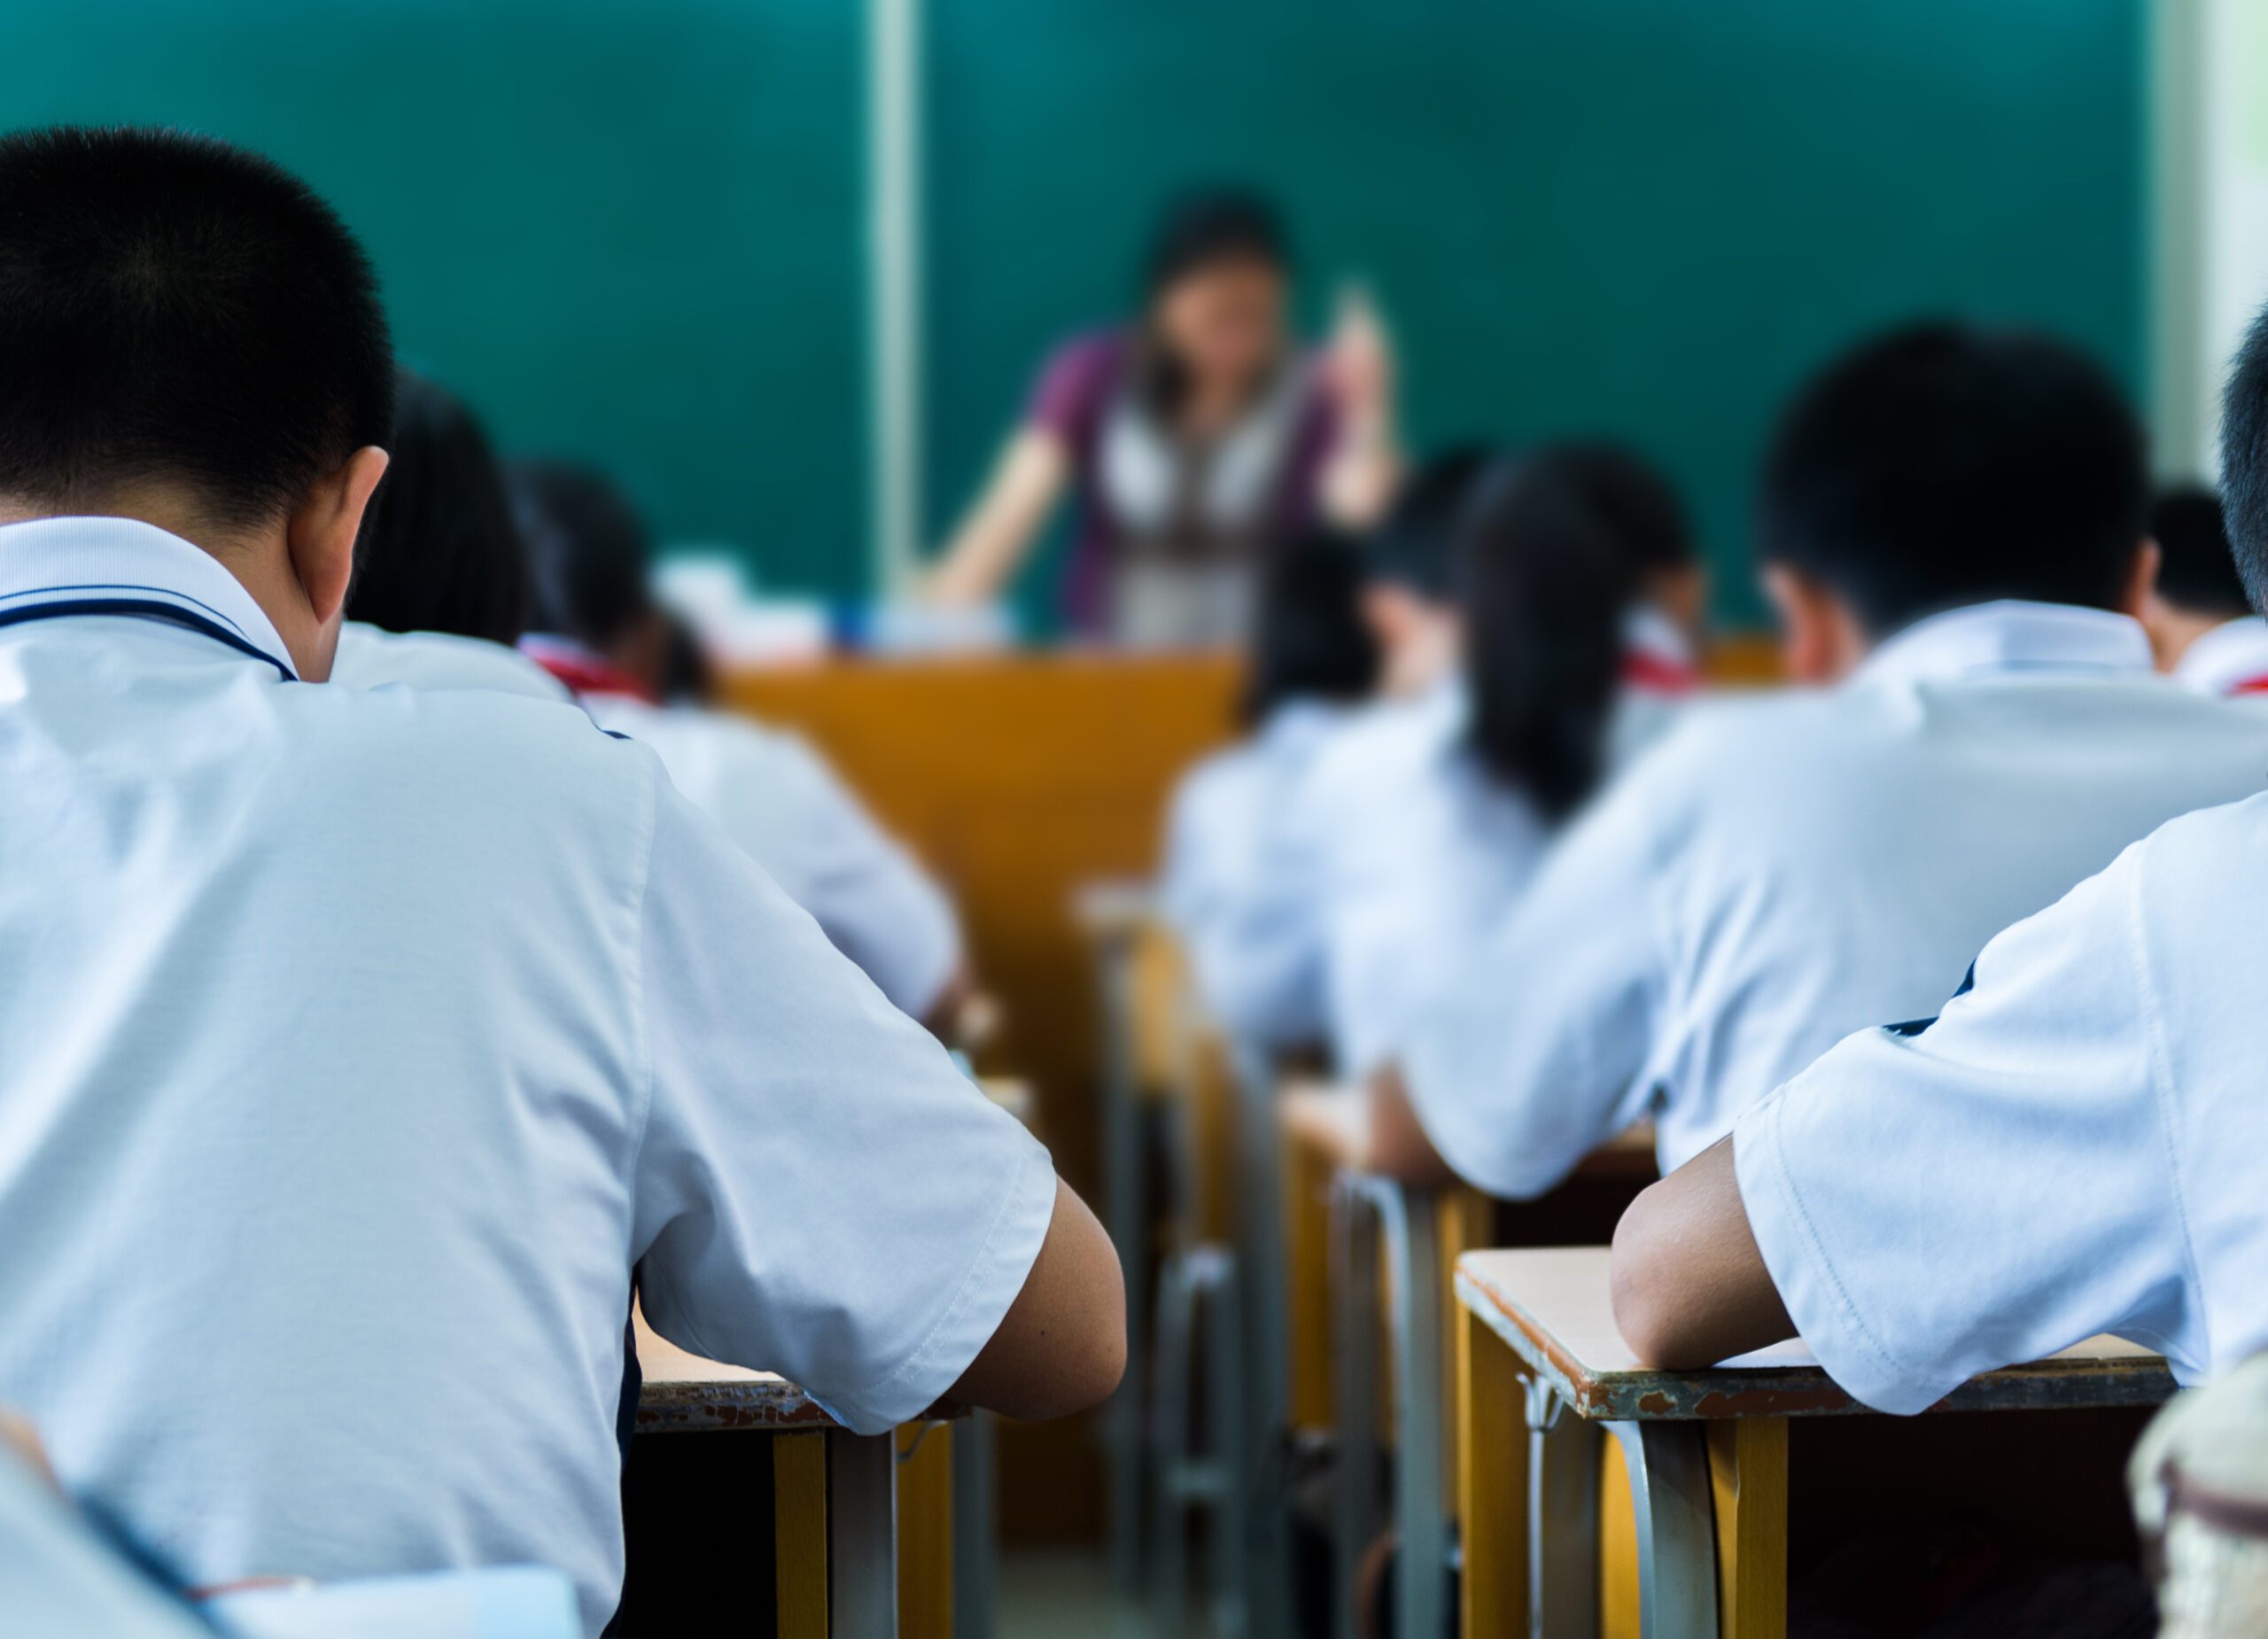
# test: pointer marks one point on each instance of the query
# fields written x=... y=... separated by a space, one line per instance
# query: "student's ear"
x=320 y=534
x=2140 y=594
x=1820 y=639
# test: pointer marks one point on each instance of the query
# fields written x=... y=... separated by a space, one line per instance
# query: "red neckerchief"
x=2250 y=686
x=1657 y=674
x=587 y=674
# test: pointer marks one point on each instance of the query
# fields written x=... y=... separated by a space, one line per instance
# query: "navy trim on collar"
x=146 y=609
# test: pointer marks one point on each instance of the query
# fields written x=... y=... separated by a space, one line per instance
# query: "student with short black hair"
x=603 y=635
x=2205 y=634
x=1311 y=661
x=2074 y=1144
x=440 y=592
x=1953 y=530
x=360 y=1044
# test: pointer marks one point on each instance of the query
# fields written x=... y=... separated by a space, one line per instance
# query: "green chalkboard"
x=625 y=231
x=633 y=231
x=1648 y=217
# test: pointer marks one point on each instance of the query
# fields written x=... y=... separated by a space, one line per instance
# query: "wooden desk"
x=862 y=1526
x=1542 y=1372
x=1417 y=1235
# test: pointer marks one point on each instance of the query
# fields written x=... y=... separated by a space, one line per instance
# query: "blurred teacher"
x=1193 y=439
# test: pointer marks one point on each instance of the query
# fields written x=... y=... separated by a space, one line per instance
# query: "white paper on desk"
x=515 y=1602
x=1793 y=1354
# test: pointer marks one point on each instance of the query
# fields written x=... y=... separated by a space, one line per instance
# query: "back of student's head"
x=1414 y=546
x=2196 y=570
x=439 y=550
x=1943 y=465
x=589 y=552
x=178 y=315
x=2244 y=461
x=1543 y=584
x=1633 y=498
x=1308 y=640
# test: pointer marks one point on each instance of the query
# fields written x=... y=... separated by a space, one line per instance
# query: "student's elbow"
x=1061 y=1347
x=1650 y=1291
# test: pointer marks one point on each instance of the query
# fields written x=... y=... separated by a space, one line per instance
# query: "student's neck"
x=258 y=557
x=2173 y=630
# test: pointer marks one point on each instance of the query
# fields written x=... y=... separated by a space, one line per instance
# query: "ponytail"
x=1543 y=586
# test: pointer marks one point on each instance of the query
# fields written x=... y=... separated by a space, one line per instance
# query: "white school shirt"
x=2077 y=1145
x=1788 y=869
x=358 y=1047
x=371 y=658
x=791 y=814
x=2229 y=660
x=1217 y=828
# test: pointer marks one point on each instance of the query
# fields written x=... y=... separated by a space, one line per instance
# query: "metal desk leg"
x=1124 y=1209
x=1563 y=1516
x=976 y=1526
x=862 y=1532
x=1668 y=1464
x=1412 y=1232
x=1266 y=1377
x=1355 y=1292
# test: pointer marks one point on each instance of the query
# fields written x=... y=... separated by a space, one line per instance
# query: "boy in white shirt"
x=2076 y=1143
x=1954 y=532
x=599 y=630
x=2204 y=632
x=359 y=1046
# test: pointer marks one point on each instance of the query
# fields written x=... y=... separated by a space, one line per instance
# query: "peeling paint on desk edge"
x=1800 y=1391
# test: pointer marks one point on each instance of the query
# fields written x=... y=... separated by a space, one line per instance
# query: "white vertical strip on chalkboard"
x=894 y=290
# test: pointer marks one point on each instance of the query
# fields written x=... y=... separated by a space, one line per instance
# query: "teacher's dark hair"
x=1543 y=585
x=1200 y=229
x=178 y=310
x=1309 y=640
x=438 y=551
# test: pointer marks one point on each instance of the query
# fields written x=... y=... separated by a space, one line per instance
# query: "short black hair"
x=1414 y=545
x=2196 y=570
x=1944 y=464
x=439 y=550
x=2244 y=461
x=589 y=549
x=1204 y=226
x=1308 y=639
x=1631 y=496
x=177 y=310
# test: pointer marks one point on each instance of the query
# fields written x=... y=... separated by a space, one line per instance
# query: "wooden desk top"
x=683 y=1391
x=1334 y=1121
x=1552 y=1308
x=1013 y=1094
x=1114 y=909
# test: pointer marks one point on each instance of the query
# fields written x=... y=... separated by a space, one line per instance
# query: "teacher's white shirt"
x=359 y=1044
x=1786 y=869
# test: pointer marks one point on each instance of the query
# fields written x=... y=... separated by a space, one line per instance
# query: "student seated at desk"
x=599 y=630
x=440 y=591
x=2205 y=634
x=1566 y=666
x=360 y=1045
x=1267 y=983
x=1311 y=659
x=1954 y=532
x=2076 y=1143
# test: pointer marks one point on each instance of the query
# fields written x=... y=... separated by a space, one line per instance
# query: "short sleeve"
x=877 y=906
x=1260 y=965
x=1067 y=398
x=1947 y=1197
x=819 y=1192
x=1533 y=1057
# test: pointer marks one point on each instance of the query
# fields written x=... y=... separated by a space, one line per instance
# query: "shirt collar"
x=2230 y=659
x=584 y=671
x=53 y=567
x=1993 y=639
x=1656 y=657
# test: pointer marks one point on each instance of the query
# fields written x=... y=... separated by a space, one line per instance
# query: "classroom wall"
x=1640 y=217
x=635 y=231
